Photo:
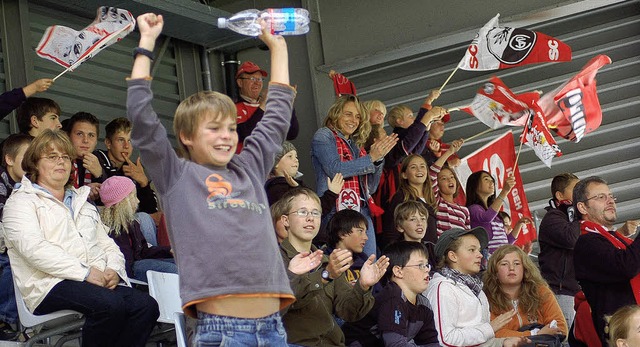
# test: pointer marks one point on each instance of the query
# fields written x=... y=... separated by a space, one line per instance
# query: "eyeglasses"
x=306 y=213
x=420 y=266
x=252 y=79
x=54 y=158
x=603 y=197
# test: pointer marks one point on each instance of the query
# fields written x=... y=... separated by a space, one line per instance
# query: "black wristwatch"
x=325 y=275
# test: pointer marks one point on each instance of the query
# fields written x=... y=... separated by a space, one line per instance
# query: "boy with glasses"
x=607 y=262
x=325 y=289
x=251 y=102
x=401 y=315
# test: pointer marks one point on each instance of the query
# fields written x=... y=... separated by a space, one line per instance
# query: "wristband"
x=503 y=199
x=139 y=50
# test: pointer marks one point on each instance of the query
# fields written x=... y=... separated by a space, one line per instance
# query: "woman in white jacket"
x=61 y=255
x=455 y=293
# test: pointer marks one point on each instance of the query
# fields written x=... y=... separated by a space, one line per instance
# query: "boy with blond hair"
x=325 y=289
x=231 y=273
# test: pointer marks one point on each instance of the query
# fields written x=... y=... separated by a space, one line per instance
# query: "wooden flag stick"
x=448 y=78
x=479 y=134
x=524 y=131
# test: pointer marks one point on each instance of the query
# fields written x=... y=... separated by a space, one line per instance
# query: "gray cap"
x=455 y=233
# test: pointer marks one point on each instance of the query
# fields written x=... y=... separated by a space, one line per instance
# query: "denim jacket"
x=326 y=163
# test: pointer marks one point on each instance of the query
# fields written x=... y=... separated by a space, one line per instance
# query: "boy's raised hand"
x=272 y=41
x=150 y=25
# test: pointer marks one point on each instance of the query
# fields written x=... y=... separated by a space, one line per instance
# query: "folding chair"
x=48 y=325
x=164 y=287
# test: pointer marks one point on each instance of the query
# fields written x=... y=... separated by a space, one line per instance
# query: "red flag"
x=496 y=105
x=341 y=84
x=70 y=48
x=498 y=158
x=537 y=136
x=500 y=48
x=573 y=110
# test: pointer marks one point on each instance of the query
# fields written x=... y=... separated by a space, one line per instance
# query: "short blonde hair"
x=619 y=323
x=370 y=105
x=364 y=128
x=45 y=143
x=396 y=113
x=197 y=108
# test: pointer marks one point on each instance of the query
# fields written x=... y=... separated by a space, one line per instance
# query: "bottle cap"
x=222 y=23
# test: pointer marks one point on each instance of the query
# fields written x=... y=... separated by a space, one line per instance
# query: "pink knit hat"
x=114 y=189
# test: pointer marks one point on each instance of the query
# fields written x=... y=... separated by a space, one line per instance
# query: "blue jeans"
x=141 y=266
x=122 y=316
x=8 y=308
x=215 y=330
x=148 y=227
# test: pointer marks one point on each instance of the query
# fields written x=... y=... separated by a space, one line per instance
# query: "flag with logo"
x=537 y=136
x=496 y=47
x=496 y=105
x=573 y=109
x=70 y=48
x=498 y=157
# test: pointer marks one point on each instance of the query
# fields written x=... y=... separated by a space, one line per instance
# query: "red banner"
x=538 y=137
x=573 y=110
x=496 y=47
x=498 y=158
x=496 y=105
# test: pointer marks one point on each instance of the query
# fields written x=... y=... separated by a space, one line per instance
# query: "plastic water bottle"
x=281 y=21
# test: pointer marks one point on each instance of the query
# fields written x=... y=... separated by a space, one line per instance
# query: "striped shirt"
x=449 y=214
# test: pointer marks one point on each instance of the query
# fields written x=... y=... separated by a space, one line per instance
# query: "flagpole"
x=62 y=73
x=524 y=131
x=479 y=134
x=448 y=78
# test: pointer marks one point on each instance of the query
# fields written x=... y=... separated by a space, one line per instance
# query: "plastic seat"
x=51 y=324
x=165 y=289
x=181 y=331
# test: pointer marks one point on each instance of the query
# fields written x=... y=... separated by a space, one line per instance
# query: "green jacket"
x=309 y=320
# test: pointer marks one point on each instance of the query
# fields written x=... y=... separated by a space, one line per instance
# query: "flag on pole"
x=498 y=157
x=496 y=105
x=496 y=47
x=537 y=136
x=70 y=48
x=573 y=110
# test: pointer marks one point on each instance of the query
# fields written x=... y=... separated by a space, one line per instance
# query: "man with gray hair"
x=607 y=261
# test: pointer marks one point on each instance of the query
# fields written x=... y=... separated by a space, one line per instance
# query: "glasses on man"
x=54 y=158
x=603 y=197
x=422 y=267
x=306 y=213
x=252 y=79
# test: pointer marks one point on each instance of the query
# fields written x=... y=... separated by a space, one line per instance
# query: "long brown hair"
x=410 y=192
x=529 y=296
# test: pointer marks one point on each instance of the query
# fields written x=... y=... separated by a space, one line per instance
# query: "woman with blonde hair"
x=338 y=147
x=624 y=327
x=61 y=256
x=512 y=281
x=377 y=111
x=118 y=194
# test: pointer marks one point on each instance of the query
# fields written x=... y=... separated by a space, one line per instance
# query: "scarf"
x=77 y=171
x=351 y=195
x=473 y=282
x=618 y=241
